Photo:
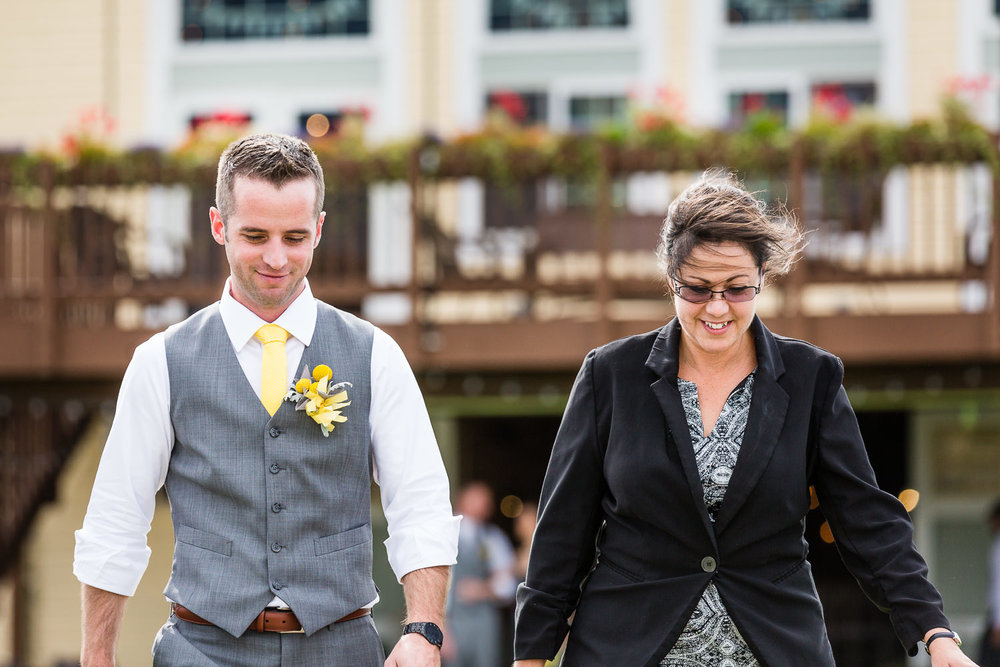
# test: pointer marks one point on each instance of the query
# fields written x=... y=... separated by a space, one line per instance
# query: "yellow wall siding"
x=932 y=53
x=431 y=38
x=677 y=31
x=57 y=62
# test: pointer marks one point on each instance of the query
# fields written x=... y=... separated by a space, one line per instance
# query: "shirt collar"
x=299 y=319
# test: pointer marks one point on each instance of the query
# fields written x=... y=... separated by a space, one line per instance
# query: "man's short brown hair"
x=274 y=158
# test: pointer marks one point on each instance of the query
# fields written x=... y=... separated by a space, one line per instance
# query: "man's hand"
x=413 y=650
x=102 y=618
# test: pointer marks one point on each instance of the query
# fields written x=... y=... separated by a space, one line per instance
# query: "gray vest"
x=262 y=505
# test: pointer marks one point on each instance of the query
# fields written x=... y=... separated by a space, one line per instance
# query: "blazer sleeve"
x=872 y=530
x=569 y=517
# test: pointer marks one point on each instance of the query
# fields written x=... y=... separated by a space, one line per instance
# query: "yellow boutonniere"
x=320 y=400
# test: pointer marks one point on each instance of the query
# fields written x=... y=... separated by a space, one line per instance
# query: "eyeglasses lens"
x=704 y=295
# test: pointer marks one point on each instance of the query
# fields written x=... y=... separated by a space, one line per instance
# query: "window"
x=839 y=100
x=208 y=20
x=557 y=14
x=317 y=124
x=586 y=113
x=523 y=107
x=795 y=11
x=743 y=106
x=233 y=119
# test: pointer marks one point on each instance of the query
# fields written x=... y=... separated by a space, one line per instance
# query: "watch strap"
x=939 y=635
x=429 y=631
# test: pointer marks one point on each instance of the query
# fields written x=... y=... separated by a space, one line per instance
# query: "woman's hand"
x=946 y=653
x=529 y=663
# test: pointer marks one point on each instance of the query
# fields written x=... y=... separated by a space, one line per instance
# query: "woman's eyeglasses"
x=693 y=294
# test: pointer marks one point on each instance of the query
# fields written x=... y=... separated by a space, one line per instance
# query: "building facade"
x=162 y=69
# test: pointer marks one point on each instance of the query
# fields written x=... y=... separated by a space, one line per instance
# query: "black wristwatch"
x=951 y=634
x=430 y=632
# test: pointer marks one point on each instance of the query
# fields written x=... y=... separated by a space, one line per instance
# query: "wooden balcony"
x=902 y=266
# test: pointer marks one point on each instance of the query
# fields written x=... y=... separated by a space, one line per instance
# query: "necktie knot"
x=271 y=333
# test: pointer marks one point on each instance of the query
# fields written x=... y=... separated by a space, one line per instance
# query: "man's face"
x=269 y=240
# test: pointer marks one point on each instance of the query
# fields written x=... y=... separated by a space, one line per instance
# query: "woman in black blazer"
x=672 y=515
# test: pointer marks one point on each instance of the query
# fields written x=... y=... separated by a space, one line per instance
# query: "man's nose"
x=275 y=255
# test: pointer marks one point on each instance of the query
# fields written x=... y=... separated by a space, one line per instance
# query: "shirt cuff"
x=430 y=543
x=112 y=570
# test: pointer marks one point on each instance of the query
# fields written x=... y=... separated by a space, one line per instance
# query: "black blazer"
x=623 y=503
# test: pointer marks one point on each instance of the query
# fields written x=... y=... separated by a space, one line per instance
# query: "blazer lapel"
x=764 y=423
x=662 y=360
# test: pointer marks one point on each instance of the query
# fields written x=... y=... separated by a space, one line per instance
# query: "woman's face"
x=718 y=326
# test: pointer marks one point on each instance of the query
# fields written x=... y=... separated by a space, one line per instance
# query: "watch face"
x=430 y=632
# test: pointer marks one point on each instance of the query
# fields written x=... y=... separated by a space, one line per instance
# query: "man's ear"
x=319 y=228
x=218 y=227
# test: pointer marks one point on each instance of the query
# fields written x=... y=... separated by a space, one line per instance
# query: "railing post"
x=602 y=221
x=48 y=291
x=415 y=349
x=993 y=271
x=796 y=279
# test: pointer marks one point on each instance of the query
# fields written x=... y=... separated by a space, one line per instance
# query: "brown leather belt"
x=269 y=620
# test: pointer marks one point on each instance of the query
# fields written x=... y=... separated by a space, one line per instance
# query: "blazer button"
x=275 y=468
x=275 y=547
x=273 y=432
x=708 y=564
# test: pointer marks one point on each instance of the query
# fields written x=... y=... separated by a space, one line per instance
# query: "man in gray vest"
x=269 y=487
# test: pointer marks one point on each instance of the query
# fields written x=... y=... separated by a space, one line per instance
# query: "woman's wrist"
x=939 y=637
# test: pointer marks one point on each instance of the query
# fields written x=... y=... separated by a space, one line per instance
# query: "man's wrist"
x=429 y=631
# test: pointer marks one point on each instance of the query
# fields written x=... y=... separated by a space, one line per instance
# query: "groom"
x=270 y=504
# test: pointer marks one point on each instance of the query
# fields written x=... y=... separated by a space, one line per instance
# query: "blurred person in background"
x=672 y=515
x=270 y=498
x=482 y=583
x=990 y=656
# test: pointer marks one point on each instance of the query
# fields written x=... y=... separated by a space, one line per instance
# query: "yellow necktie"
x=274 y=366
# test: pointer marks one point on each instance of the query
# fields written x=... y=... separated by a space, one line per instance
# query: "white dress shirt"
x=111 y=550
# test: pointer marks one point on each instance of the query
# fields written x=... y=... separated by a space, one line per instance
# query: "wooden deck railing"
x=902 y=265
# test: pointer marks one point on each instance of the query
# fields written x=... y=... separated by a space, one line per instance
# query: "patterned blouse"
x=710 y=636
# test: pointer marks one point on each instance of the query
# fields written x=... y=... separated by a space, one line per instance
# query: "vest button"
x=273 y=432
x=277 y=586
x=708 y=564
x=275 y=547
x=275 y=468
x=277 y=507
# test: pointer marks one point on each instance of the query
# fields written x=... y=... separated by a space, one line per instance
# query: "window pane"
x=273 y=19
x=586 y=113
x=744 y=105
x=557 y=14
x=839 y=100
x=785 y=11
x=522 y=106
